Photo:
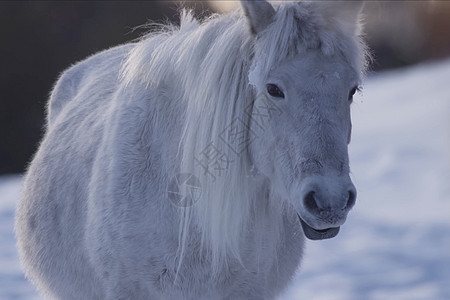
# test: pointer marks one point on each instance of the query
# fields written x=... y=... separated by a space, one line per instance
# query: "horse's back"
x=97 y=73
x=52 y=213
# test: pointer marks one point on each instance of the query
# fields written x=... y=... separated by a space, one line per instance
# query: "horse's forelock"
x=303 y=26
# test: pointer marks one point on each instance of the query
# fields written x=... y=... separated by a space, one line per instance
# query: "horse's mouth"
x=316 y=234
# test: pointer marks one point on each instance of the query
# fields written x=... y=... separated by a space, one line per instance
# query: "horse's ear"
x=348 y=11
x=351 y=10
x=259 y=14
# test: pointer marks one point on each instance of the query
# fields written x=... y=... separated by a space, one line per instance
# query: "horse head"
x=305 y=70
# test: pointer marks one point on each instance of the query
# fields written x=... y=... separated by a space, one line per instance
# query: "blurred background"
x=39 y=39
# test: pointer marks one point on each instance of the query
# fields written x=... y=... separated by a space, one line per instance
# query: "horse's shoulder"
x=71 y=81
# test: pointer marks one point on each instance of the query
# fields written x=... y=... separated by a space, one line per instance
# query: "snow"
x=396 y=241
x=13 y=285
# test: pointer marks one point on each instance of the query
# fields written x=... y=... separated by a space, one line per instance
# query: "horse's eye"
x=274 y=91
x=352 y=93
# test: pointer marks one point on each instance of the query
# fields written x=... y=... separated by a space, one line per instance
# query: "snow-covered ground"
x=13 y=285
x=396 y=242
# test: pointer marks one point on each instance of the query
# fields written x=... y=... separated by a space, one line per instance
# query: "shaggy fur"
x=95 y=222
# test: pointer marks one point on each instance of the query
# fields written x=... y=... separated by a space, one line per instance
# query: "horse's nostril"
x=351 y=199
x=310 y=202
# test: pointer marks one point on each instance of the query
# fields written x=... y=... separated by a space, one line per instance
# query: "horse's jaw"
x=315 y=234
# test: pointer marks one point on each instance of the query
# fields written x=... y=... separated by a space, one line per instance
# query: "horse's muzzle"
x=324 y=205
x=318 y=234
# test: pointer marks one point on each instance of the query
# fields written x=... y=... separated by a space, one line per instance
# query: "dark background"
x=39 y=39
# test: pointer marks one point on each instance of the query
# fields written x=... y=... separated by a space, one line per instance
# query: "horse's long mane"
x=207 y=65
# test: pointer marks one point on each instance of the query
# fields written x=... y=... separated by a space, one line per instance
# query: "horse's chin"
x=315 y=234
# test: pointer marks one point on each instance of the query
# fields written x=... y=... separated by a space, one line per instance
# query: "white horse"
x=193 y=163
